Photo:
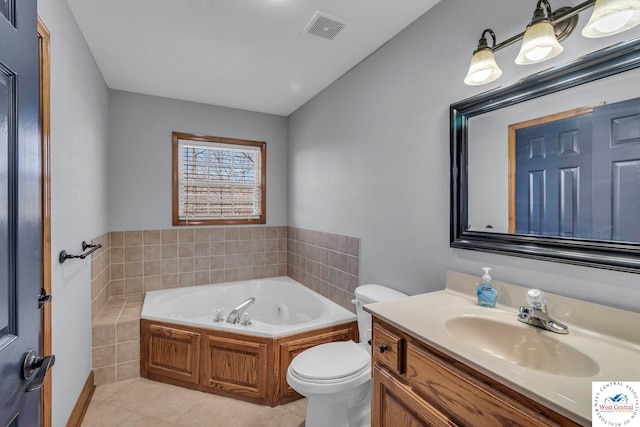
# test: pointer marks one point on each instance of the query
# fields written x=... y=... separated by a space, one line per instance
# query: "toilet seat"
x=331 y=362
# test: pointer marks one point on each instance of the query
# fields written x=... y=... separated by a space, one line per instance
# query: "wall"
x=139 y=161
x=79 y=108
x=369 y=156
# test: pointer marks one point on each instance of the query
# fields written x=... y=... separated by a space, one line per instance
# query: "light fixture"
x=612 y=17
x=541 y=40
x=483 y=68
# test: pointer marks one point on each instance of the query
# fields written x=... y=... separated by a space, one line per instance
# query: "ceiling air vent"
x=323 y=25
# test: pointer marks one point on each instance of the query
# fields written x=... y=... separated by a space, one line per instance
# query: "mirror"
x=557 y=211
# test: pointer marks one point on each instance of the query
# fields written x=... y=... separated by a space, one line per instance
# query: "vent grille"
x=323 y=25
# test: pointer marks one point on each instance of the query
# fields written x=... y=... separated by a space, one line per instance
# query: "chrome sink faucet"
x=536 y=314
x=236 y=313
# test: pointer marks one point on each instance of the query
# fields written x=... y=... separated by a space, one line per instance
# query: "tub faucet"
x=236 y=313
x=536 y=314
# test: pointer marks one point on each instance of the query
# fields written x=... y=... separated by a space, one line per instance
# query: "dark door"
x=616 y=171
x=553 y=164
x=20 y=215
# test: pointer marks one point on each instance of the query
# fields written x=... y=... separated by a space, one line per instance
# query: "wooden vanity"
x=416 y=385
x=440 y=359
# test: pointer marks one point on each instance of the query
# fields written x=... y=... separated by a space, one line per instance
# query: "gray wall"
x=139 y=159
x=369 y=156
x=79 y=107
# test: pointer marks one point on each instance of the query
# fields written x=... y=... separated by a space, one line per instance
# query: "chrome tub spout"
x=236 y=313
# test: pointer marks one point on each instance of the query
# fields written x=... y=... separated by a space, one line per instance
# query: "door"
x=553 y=169
x=20 y=216
x=616 y=171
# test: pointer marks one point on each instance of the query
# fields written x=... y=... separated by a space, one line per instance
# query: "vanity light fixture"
x=612 y=17
x=483 y=68
x=541 y=40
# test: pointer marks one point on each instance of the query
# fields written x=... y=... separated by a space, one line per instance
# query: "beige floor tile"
x=103 y=392
x=250 y=415
x=171 y=404
x=138 y=393
x=296 y=410
x=210 y=411
x=140 y=402
x=105 y=414
x=138 y=420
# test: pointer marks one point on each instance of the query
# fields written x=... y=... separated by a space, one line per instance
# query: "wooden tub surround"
x=240 y=366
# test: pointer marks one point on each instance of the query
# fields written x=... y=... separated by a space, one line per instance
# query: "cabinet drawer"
x=387 y=349
x=472 y=402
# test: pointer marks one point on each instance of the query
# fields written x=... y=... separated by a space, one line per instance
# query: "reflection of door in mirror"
x=568 y=178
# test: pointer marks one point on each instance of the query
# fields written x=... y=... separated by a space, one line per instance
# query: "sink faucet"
x=536 y=314
x=234 y=316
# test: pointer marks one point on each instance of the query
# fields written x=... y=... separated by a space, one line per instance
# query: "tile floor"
x=141 y=402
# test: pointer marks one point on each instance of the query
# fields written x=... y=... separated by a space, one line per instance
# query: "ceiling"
x=247 y=54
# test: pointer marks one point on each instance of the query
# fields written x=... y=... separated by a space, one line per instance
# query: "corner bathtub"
x=181 y=344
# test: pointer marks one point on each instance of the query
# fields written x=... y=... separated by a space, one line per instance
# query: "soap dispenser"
x=487 y=293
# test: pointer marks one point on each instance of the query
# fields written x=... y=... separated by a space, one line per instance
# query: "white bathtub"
x=282 y=307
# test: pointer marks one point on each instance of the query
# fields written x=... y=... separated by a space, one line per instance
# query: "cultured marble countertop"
x=603 y=343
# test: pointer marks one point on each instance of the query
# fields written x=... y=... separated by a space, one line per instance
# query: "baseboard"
x=80 y=409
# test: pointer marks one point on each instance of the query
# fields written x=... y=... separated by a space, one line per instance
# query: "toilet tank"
x=367 y=294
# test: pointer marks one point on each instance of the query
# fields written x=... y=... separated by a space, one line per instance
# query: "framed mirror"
x=579 y=204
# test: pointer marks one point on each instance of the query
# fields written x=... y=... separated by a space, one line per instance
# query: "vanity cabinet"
x=417 y=385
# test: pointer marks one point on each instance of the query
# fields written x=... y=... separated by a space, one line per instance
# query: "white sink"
x=523 y=345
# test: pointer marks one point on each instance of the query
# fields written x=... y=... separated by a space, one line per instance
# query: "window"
x=218 y=180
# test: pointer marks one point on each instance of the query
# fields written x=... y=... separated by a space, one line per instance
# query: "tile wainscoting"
x=327 y=263
x=131 y=263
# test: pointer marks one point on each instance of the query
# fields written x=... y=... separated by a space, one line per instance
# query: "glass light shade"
x=483 y=68
x=539 y=44
x=612 y=17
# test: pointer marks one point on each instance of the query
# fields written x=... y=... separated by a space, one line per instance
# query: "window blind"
x=218 y=181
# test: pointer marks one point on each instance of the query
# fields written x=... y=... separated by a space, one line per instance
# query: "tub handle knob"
x=382 y=348
x=219 y=317
x=246 y=321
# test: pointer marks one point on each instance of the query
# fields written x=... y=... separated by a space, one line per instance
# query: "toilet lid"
x=331 y=361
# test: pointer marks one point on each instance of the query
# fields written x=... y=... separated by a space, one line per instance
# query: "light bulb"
x=614 y=21
x=612 y=17
x=480 y=76
x=539 y=43
x=483 y=68
x=537 y=53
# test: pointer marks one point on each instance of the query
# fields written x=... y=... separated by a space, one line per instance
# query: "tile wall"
x=327 y=263
x=131 y=263
x=149 y=260
x=115 y=348
x=100 y=276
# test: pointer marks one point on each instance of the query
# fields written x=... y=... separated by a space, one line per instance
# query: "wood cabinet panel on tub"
x=172 y=352
x=247 y=367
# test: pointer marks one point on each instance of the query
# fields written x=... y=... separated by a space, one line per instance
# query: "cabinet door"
x=235 y=366
x=171 y=353
x=394 y=404
x=468 y=400
x=290 y=348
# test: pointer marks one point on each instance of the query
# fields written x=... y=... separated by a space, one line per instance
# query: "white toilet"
x=336 y=377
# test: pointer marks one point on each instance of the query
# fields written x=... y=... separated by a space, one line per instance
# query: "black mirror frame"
x=619 y=256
